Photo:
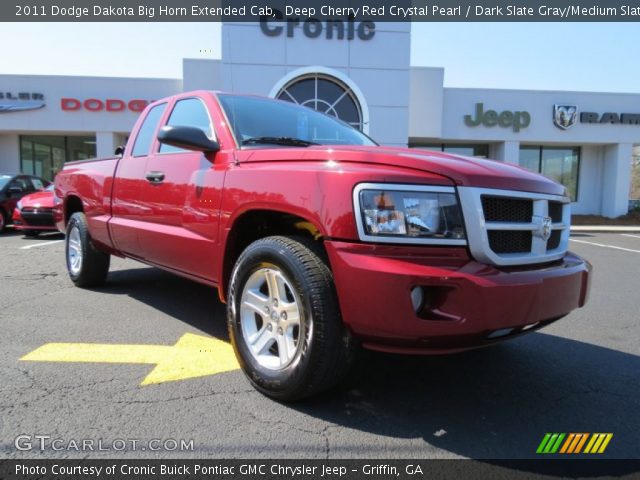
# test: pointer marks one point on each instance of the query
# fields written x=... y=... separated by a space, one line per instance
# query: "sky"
x=539 y=56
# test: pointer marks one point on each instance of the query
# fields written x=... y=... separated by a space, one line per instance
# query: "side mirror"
x=189 y=138
x=119 y=151
x=15 y=191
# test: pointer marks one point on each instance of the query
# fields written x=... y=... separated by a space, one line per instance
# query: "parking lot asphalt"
x=581 y=374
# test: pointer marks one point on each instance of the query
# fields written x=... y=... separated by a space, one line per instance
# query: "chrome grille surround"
x=477 y=227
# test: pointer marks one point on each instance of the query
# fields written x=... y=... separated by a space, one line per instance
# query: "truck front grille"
x=507 y=227
x=554 y=240
x=555 y=211
x=497 y=209
x=502 y=241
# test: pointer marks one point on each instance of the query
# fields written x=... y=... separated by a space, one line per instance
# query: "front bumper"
x=39 y=219
x=467 y=304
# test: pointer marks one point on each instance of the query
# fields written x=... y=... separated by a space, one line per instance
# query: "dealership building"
x=361 y=73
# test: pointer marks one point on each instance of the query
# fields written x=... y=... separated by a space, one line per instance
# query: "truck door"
x=128 y=210
x=182 y=192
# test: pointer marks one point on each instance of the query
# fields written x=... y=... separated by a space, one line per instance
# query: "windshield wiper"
x=294 y=142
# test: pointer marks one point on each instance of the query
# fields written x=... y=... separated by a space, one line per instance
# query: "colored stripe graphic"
x=573 y=443
x=605 y=443
x=550 y=443
x=576 y=439
x=544 y=441
x=556 y=446
x=567 y=443
x=598 y=443
x=591 y=442
x=581 y=443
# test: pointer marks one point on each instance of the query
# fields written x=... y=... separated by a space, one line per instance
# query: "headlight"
x=408 y=214
x=19 y=205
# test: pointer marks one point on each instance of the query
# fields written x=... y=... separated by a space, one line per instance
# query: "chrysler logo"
x=544 y=227
x=10 y=102
x=565 y=116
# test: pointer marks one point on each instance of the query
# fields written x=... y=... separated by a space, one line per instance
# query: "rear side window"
x=190 y=112
x=147 y=129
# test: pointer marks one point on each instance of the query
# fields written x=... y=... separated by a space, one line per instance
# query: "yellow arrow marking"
x=192 y=356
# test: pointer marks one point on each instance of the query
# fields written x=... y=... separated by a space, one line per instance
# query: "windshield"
x=256 y=120
x=4 y=179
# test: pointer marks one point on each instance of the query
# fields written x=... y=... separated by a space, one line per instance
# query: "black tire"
x=93 y=267
x=324 y=350
x=31 y=233
x=3 y=220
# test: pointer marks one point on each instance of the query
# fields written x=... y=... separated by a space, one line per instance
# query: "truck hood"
x=461 y=170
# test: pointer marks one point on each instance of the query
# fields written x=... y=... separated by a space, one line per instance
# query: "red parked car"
x=13 y=187
x=34 y=213
x=320 y=240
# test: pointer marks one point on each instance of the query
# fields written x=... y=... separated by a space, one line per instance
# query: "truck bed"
x=90 y=182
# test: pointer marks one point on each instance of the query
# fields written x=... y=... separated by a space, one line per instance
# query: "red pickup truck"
x=319 y=240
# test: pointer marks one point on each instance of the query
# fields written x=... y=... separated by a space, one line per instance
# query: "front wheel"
x=284 y=321
x=87 y=266
x=3 y=220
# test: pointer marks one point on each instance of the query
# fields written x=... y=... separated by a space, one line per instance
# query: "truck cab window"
x=144 y=139
x=190 y=112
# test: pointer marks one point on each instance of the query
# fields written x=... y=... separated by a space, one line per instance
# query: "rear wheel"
x=284 y=320
x=3 y=220
x=87 y=266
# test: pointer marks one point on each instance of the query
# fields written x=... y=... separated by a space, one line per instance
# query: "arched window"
x=325 y=94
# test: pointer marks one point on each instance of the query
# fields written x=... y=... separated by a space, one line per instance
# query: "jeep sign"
x=491 y=118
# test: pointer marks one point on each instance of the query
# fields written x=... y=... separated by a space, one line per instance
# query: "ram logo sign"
x=565 y=116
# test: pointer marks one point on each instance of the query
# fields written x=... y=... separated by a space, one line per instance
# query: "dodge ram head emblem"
x=544 y=227
x=565 y=116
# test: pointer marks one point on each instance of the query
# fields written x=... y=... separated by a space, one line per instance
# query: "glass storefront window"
x=80 y=148
x=45 y=155
x=26 y=156
x=557 y=163
x=480 y=150
x=530 y=158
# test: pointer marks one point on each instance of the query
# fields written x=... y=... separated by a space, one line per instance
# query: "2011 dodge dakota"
x=319 y=240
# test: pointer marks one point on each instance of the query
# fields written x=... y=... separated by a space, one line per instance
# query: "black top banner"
x=317 y=11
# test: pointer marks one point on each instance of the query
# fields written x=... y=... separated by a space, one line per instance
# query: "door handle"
x=155 y=177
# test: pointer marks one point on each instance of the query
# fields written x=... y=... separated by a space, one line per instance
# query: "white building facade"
x=359 y=72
